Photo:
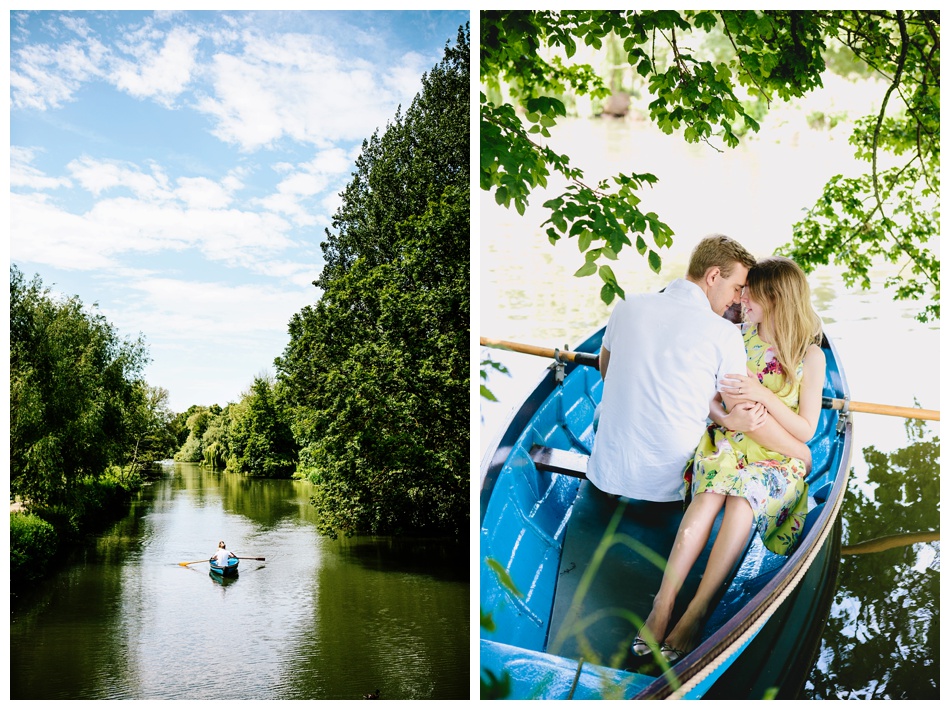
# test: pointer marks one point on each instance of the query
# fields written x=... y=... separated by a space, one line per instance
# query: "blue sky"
x=179 y=168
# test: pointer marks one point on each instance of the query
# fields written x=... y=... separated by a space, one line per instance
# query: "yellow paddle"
x=591 y=360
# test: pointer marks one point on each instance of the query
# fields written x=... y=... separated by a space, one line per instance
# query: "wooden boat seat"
x=569 y=463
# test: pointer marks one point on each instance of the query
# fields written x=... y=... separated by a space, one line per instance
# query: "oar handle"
x=579 y=358
x=869 y=408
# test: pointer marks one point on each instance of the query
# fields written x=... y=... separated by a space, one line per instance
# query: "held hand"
x=744 y=387
x=746 y=417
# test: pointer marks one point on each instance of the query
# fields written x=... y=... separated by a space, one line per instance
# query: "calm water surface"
x=882 y=637
x=318 y=619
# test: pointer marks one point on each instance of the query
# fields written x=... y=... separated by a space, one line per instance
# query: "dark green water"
x=318 y=619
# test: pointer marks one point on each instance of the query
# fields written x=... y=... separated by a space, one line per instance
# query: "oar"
x=869 y=408
x=826 y=402
x=589 y=359
x=185 y=564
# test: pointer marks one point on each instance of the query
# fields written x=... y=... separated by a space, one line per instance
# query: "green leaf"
x=587 y=269
x=503 y=577
x=584 y=240
x=607 y=274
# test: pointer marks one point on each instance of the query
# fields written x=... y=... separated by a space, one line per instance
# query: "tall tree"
x=74 y=386
x=889 y=214
x=377 y=369
x=150 y=433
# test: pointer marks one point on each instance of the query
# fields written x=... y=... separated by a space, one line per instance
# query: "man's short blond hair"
x=718 y=250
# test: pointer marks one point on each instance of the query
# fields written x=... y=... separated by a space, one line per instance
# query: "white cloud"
x=98 y=176
x=159 y=73
x=405 y=78
x=46 y=234
x=25 y=175
x=44 y=77
x=289 y=86
x=203 y=193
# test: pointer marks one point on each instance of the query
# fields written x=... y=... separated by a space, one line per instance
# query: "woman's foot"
x=650 y=633
x=672 y=655
x=682 y=639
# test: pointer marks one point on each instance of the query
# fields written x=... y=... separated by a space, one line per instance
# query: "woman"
x=222 y=555
x=756 y=486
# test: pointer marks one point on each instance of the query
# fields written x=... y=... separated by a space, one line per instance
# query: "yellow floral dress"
x=731 y=463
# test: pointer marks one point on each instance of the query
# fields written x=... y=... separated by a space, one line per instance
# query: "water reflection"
x=883 y=636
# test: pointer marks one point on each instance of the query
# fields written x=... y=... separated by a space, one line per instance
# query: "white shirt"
x=222 y=556
x=668 y=352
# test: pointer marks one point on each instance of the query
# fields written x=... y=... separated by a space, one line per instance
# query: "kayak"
x=568 y=573
x=230 y=571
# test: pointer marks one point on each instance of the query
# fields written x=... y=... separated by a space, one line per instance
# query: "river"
x=316 y=619
x=882 y=638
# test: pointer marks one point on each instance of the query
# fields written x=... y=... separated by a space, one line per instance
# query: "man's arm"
x=604 y=361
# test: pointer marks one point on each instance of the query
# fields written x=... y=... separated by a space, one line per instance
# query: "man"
x=662 y=357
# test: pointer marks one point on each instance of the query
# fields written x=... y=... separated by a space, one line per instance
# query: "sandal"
x=672 y=655
x=641 y=647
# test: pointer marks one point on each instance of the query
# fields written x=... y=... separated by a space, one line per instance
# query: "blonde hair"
x=717 y=250
x=780 y=287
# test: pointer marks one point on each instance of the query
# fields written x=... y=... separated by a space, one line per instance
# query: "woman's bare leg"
x=730 y=541
x=691 y=538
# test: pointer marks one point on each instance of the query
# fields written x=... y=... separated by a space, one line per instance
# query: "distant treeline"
x=252 y=436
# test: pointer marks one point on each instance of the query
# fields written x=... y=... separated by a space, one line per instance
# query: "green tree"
x=196 y=424
x=377 y=369
x=151 y=436
x=889 y=214
x=74 y=386
x=216 y=439
x=260 y=440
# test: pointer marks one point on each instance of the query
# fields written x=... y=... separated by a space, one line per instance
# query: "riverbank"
x=42 y=535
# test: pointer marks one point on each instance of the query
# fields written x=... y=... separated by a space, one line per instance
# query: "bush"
x=33 y=542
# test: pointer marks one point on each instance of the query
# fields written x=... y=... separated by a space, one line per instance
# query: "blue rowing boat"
x=230 y=571
x=567 y=573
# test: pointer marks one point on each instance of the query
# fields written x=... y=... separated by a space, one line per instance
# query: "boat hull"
x=230 y=571
x=760 y=641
